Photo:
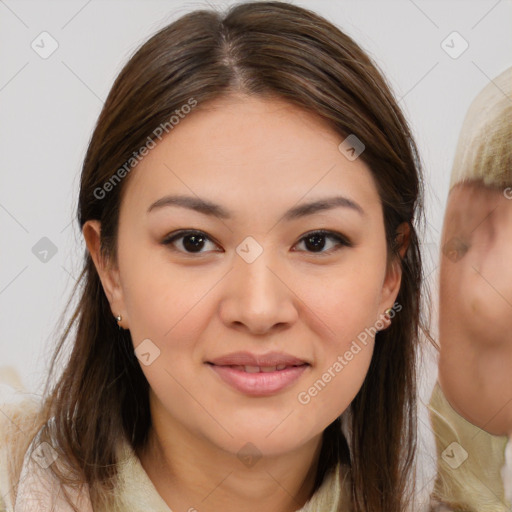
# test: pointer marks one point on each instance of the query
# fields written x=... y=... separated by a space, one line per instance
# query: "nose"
x=257 y=297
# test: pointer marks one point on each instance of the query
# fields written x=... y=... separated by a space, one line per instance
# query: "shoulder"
x=334 y=494
x=469 y=460
x=27 y=481
x=18 y=416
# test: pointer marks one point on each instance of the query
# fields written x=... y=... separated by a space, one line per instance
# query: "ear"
x=393 y=279
x=107 y=271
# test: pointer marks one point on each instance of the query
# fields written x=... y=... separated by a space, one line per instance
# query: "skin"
x=257 y=158
x=475 y=319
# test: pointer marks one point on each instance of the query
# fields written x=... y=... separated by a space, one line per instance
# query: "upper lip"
x=263 y=360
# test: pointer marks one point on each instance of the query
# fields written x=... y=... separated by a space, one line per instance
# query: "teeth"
x=252 y=369
x=264 y=369
x=257 y=369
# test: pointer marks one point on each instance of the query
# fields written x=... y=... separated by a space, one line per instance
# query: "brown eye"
x=191 y=241
x=316 y=241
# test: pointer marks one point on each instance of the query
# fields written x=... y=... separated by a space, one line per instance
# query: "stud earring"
x=388 y=314
x=118 y=319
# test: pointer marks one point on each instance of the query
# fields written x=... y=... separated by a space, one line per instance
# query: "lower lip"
x=261 y=383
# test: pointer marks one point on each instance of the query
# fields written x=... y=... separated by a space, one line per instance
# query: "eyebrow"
x=209 y=208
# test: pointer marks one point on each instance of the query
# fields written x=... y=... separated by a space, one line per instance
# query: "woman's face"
x=250 y=279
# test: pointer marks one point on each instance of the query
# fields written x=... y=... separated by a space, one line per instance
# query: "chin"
x=252 y=443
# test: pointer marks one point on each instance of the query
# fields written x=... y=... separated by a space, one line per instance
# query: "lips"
x=259 y=375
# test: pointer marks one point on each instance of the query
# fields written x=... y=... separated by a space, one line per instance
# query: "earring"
x=388 y=314
x=118 y=319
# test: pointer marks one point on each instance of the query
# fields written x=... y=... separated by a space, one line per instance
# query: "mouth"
x=259 y=380
x=271 y=361
x=259 y=369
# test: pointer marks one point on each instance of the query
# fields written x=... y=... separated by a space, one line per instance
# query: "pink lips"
x=259 y=375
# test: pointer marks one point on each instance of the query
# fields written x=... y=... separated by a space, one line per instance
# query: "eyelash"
x=342 y=240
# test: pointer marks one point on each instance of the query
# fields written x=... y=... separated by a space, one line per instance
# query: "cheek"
x=344 y=301
x=333 y=386
x=342 y=355
x=343 y=311
x=158 y=295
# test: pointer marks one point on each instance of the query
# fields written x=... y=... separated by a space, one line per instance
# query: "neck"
x=192 y=474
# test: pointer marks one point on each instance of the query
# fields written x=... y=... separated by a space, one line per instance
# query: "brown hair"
x=265 y=49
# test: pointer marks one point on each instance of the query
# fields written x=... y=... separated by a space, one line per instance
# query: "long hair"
x=267 y=49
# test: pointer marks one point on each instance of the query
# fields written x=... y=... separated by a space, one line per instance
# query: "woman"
x=222 y=353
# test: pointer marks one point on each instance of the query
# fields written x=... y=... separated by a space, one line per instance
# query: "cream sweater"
x=38 y=492
x=473 y=467
x=482 y=483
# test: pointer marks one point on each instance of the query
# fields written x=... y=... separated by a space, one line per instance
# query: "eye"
x=316 y=241
x=191 y=241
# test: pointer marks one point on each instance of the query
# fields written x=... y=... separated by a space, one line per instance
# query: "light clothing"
x=474 y=485
x=471 y=462
x=39 y=492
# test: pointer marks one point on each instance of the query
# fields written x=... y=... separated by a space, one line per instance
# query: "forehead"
x=242 y=150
